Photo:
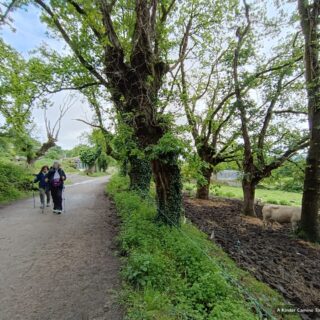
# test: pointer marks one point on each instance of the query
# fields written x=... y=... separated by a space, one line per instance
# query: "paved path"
x=56 y=267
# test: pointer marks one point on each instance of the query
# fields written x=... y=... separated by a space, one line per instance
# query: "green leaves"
x=169 y=144
x=88 y=156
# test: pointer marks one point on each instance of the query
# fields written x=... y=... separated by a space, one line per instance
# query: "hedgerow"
x=14 y=181
x=169 y=273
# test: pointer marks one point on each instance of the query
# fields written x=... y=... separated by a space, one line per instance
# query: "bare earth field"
x=273 y=256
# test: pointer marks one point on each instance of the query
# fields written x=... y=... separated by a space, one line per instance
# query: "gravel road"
x=60 y=267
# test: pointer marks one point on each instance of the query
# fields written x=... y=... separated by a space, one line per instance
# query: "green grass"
x=172 y=273
x=267 y=196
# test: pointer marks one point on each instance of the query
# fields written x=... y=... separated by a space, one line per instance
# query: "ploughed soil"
x=272 y=255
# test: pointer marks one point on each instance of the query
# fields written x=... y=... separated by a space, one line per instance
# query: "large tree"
x=269 y=127
x=20 y=94
x=206 y=94
x=309 y=15
x=127 y=47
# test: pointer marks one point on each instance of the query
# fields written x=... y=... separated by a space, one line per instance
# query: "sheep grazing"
x=281 y=214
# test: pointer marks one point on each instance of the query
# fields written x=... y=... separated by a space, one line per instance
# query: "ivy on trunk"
x=140 y=175
x=204 y=186
x=166 y=173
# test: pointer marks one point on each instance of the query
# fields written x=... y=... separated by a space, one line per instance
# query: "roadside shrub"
x=69 y=163
x=14 y=181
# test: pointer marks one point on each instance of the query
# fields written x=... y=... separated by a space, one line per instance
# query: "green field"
x=266 y=195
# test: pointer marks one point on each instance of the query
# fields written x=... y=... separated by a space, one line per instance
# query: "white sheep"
x=281 y=214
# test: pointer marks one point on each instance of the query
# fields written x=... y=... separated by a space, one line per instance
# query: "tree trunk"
x=249 y=189
x=309 y=16
x=311 y=193
x=203 y=189
x=41 y=151
x=140 y=175
x=169 y=190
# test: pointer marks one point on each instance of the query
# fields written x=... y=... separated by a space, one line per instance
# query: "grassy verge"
x=267 y=196
x=179 y=274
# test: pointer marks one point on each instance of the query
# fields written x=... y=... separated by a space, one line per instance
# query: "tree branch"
x=290 y=111
x=86 y=85
x=183 y=45
x=68 y=40
x=105 y=9
x=304 y=143
x=82 y=12
x=7 y=11
x=267 y=119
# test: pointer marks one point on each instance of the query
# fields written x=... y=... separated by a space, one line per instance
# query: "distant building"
x=230 y=177
x=75 y=163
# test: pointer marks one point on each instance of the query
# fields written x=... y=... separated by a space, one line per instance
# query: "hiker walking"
x=56 y=178
x=44 y=191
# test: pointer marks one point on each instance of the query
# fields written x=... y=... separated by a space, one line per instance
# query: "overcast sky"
x=29 y=34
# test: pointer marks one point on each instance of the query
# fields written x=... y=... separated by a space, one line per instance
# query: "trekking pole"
x=34 y=199
x=64 y=199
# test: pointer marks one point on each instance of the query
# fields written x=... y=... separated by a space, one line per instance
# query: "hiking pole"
x=64 y=199
x=34 y=199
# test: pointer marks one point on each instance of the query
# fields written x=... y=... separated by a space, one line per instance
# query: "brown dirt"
x=273 y=256
x=60 y=267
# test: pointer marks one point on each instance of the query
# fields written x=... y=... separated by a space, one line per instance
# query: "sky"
x=29 y=34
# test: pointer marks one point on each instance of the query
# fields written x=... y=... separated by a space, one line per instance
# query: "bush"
x=15 y=181
x=69 y=163
x=167 y=275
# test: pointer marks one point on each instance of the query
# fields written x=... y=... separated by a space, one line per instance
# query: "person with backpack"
x=44 y=191
x=56 y=178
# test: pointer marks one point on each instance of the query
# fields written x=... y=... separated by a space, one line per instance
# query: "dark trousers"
x=56 y=194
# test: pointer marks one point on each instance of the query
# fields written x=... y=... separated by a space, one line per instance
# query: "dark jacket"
x=50 y=176
x=41 y=178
